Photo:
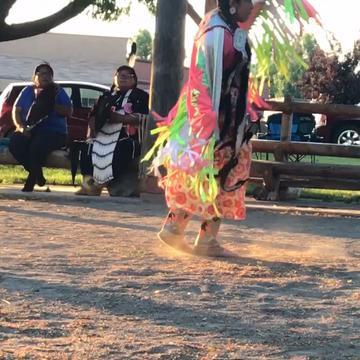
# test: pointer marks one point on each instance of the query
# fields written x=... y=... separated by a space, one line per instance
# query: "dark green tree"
x=348 y=78
x=329 y=79
x=144 y=44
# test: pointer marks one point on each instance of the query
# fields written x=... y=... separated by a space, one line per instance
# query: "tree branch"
x=193 y=14
x=32 y=28
x=6 y=5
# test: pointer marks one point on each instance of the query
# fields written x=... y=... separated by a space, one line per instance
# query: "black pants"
x=125 y=151
x=31 y=152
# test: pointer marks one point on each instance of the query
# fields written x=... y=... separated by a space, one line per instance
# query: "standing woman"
x=39 y=113
x=204 y=142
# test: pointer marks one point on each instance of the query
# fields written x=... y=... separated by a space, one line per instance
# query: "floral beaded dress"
x=204 y=142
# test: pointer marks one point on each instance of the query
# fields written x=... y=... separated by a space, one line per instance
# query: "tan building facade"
x=73 y=57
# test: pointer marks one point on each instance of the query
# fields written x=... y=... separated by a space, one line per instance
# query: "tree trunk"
x=167 y=70
x=168 y=55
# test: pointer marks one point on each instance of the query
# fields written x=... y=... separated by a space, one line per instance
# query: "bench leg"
x=271 y=185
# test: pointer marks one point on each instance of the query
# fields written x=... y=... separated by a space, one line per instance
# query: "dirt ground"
x=90 y=281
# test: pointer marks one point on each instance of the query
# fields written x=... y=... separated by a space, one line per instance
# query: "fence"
x=277 y=175
x=280 y=174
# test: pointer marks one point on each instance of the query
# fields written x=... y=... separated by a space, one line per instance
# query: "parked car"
x=83 y=95
x=338 y=129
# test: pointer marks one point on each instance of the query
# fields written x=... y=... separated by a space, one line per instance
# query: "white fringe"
x=103 y=152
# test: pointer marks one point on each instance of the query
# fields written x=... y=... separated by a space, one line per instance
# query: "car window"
x=10 y=94
x=2 y=97
x=89 y=97
x=303 y=116
x=16 y=90
x=69 y=92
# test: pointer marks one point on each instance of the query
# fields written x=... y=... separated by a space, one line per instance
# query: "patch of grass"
x=15 y=174
x=346 y=196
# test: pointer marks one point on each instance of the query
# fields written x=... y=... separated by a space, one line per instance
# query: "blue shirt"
x=54 y=123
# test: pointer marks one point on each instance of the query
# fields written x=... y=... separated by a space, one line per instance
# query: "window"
x=13 y=94
x=69 y=92
x=89 y=97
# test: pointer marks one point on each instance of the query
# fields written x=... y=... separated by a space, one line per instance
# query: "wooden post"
x=286 y=126
x=279 y=155
x=166 y=72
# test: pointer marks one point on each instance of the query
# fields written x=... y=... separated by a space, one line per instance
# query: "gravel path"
x=90 y=281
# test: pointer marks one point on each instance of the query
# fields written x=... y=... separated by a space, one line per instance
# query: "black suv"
x=339 y=129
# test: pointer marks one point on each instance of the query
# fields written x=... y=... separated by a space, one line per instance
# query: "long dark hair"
x=127 y=68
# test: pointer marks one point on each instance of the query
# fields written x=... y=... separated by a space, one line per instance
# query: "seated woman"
x=39 y=114
x=116 y=129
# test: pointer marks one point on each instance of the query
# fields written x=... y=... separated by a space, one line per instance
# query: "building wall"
x=73 y=57
x=54 y=46
x=143 y=71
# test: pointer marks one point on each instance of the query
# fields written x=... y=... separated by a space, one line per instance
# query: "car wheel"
x=347 y=135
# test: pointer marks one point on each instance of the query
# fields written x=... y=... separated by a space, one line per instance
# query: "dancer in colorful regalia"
x=202 y=154
x=204 y=142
